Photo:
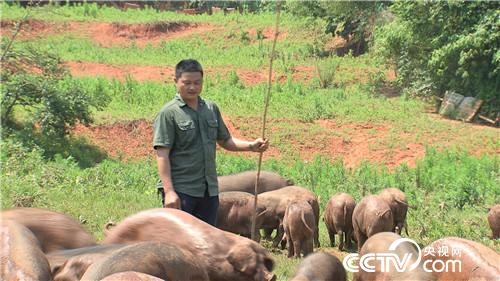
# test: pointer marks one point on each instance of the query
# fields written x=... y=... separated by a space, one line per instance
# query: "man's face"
x=189 y=85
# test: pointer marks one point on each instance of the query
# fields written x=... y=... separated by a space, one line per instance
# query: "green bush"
x=37 y=87
x=461 y=54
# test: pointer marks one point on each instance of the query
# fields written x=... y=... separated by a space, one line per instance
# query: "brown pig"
x=399 y=206
x=245 y=182
x=130 y=276
x=320 y=266
x=372 y=215
x=275 y=202
x=494 y=221
x=226 y=256
x=299 y=226
x=338 y=218
x=385 y=271
x=58 y=258
x=158 y=259
x=55 y=231
x=235 y=213
x=70 y=265
x=464 y=260
x=21 y=257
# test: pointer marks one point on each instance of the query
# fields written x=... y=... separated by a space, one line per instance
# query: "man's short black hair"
x=188 y=65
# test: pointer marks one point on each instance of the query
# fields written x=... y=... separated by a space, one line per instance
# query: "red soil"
x=111 y=34
x=133 y=141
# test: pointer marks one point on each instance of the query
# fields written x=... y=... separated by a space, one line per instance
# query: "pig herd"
x=169 y=244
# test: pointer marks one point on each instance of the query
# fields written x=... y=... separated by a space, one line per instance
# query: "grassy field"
x=452 y=185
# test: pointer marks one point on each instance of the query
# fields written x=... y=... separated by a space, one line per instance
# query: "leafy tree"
x=37 y=86
x=40 y=101
x=452 y=45
x=352 y=20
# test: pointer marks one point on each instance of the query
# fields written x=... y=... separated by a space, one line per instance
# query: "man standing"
x=186 y=131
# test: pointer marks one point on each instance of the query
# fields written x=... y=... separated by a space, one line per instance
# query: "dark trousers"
x=204 y=208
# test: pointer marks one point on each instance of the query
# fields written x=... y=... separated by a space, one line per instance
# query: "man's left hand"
x=259 y=145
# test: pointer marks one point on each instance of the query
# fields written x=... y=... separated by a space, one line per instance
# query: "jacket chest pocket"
x=212 y=126
x=187 y=131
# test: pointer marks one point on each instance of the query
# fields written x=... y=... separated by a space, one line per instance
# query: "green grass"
x=222 y=47
x=212 y=49
x=113 y=190
x=135 y=100
x=92 y=12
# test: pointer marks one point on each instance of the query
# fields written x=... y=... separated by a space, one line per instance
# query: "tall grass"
x=215 y=48
x=223 y=46
x=131 y=99
x=92 y=12
x=112 y=190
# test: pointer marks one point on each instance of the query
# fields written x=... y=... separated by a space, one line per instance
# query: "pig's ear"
x=243 y=259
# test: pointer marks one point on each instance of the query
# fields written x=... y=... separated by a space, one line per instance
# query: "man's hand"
x=259 y=145
x=172 y=200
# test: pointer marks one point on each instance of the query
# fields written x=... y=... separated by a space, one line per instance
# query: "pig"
x=245 y=182
x=21 y=255
x=320 y=266
x=275 y=203
x=399 y=206
x=465 y=260
x=235 y=213
x=74 y=262
x=298 y=223
x=379 y=244
x=55 y=231
x=370 y=216
x=69 y=265
x=226 y=256
x=494 y=221
x=338 y=218
x=130 y=276
x=159 y=259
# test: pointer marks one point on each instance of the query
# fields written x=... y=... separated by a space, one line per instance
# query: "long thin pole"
x=269 y=84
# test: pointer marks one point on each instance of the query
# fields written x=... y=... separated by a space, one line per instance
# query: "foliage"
x=36 y=84
x=352 y=20
x=452 y=45
x=98 y=194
